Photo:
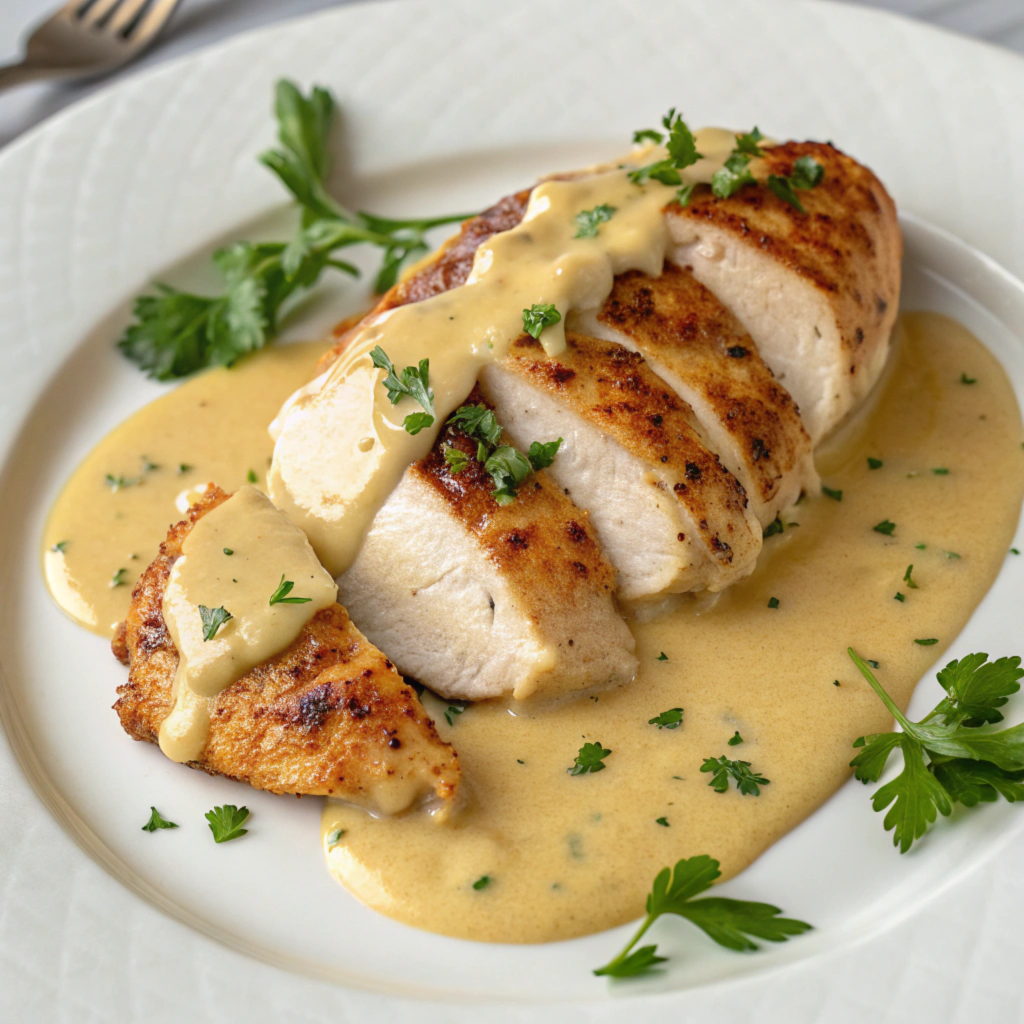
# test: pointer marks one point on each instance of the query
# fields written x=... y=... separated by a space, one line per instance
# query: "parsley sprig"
x=156 y=821
x=413 y=382
x=681 y=146
x=731 y=923
x=748 y=782
x=589 y=759
x=213 y=619
x=946 y=760
x=226 y=822
x=507 y=466
x=175 y=333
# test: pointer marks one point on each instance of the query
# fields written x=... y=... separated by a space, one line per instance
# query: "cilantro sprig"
x=413 y=382
x=175 y=333
x=946 y=760
x=731 y=923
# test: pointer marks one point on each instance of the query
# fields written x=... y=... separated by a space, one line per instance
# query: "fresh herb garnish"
x=228 y=551
x=748 y=143
x=507 y=466
x=175 y=333
x=945 y=759
x=909 y=579
x=671 y=719
x=723 y=769
x=118 y=580
x=539 y=316
x=807 y=174
x=156 y=821
x=588 y=222
x=413 y=382
x=482 y=882
x=251 y=476
x=184 y=467
x=334 y=837
x=833 y=494
x=736 y=740
x=226 y=822
x=589 y=759
x=213 y=619
x=941 y=471
x=930 y=642
x=732 y=175
x=453 y=709
x=61 y=546
x=899 y=597
x=682 y=152
x=774 y=527
x=662 y=821
x=662 y=657
x=731 y=923
x=147 y=465
x=964 y=379
x=874 y=463
x=773 y=602
x=284 y=588
x=884 y=527
x=116 y=483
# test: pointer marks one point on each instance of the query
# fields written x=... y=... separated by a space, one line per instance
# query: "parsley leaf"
x=944 y=759
x=682 y=152
x=748 y=143
x=736 y=740
x=213 y=619
x=671 y=719
x=478 y=421
x=647 y=135
x=118 y=579
x=807 y=174
x=909 y=579
x=413 y=382
x=61 y=546
x=885 y=527
x=732 y=176
x=284 y=588
x=508 y=468
x=589 y=759
x=482 y=882
x=662 y=657
x=539 y=316
x=456 y=460
x=175 y=333
x=588 y=222
x=774 y=527
x=731 y=923
x=723 y=769
x=453 y=709
x=833 y=494
x=542 y=454
x=226 y=822
x=155 y=822
x=875 y=463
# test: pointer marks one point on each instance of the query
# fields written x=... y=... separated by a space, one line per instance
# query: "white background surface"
x=75 y=946
x=200 y=22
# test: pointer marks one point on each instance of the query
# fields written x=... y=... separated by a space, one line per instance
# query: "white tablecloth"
x=199 y=22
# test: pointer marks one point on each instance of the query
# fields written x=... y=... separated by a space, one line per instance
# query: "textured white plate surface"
x=448 y=105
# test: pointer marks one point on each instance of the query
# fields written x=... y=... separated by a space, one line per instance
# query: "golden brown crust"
x=615 y=389
x=329 y=716
x=541 y=535
x=847 y=243
x=677 y=323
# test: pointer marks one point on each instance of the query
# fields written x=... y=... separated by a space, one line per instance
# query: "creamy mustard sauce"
x=100 y=535
x=566 y=856
x=228 y=606
x=341 y=445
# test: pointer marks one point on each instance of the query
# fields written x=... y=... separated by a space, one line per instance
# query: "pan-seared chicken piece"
x=669 y=517
x=476 y=599
x=699 y=349
x=818 y=290
x=328 y=716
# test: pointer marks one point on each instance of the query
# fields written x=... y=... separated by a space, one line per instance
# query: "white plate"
x=448 y=105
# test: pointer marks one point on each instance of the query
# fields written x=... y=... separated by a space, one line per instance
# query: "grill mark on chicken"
x=318 y=719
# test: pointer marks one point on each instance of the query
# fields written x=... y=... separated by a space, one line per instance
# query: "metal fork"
x=89 y=37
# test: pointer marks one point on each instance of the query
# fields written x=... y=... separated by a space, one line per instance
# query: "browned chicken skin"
x=328 y=716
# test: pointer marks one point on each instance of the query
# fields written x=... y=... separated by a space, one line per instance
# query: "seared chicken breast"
x=476 y=599
x=700 y=350
x=818 y=290
x=328 y=716
x=668 y=515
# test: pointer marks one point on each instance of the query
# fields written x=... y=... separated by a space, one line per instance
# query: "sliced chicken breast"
x=668 y=515
x=818 y=290
x=329 y=716
x=476 y=599
x=700 y=350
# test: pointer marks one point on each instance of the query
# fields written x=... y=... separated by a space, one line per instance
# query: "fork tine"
x=154 y=19
x=126 y=13
x=96 y=11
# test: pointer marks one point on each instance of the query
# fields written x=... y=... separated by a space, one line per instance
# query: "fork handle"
x=17 y=74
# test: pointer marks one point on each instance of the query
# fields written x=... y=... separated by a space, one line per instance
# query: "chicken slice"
x=817 y=290
x=328 y=716
x=699 y=349
x=476 y=599
x=668 y=515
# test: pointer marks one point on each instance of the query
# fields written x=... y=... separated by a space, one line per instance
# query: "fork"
x=89 y=37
